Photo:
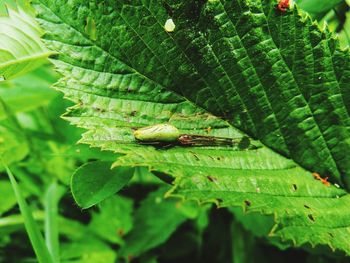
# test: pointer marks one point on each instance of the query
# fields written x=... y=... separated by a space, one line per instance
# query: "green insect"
x=159 y=132
x=168 y=134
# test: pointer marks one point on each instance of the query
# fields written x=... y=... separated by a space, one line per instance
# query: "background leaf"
x=95 y=181
x=315 y=6
x=155 y=220
x=21 y=49
x=113 y=220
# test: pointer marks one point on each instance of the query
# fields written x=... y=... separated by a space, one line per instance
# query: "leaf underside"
x=229 y=69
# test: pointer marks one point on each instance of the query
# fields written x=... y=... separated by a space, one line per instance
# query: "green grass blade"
x=31 y=227
x=52 y=197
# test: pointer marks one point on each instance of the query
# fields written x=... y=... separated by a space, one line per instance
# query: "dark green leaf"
x=113 y=220
x=155 y=220
x=229 y=66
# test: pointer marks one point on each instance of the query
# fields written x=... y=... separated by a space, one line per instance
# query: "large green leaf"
x=21 y=49
x=229 y=66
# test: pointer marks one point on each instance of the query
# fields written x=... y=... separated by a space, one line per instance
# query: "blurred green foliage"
x=334 y=13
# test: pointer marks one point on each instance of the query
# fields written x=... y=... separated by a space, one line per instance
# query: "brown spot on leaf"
x=130 y=258
x=120 y=232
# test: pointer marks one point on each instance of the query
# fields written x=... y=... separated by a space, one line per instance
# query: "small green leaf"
x=113 y=220
x=93 y=182
x=155 y=220
x=8 y=199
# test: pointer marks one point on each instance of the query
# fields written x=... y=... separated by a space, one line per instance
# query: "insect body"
x=283 y=5
x=323 y=180
x=168 y=134
x=158 y=132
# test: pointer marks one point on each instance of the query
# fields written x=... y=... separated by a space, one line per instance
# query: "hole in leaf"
x=219 y=200
x=295 y=187
x=306 y=206
x=211 y=178
x=98 y=109
x=311 y=217
x=195 y=155
x=247 y=202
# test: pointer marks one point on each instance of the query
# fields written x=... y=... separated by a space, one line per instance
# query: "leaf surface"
x=229 y=69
